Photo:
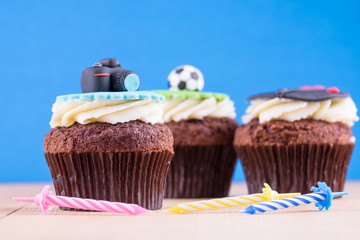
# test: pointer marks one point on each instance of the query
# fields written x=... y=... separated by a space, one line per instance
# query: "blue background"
x=242 y=48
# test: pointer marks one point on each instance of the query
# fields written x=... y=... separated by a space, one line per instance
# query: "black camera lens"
x=124 y=81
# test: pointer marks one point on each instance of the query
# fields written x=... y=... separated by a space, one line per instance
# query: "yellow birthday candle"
x=267 y=195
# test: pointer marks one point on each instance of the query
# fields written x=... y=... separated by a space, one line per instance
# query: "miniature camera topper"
x=186 y=77
x=108 y=76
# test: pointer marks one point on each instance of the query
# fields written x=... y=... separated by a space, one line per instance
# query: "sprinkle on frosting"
x=186 y=94
x=306 y=93
x=112 y=96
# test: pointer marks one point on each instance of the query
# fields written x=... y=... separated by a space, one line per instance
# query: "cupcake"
x=109 y=143
x=294 y=138
x=203 y=128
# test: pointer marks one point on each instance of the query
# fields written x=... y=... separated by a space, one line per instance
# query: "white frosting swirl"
x=185 y=109
x=66 y=113
x=335 y=110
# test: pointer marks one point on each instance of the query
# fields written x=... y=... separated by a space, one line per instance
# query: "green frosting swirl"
x=186 y=94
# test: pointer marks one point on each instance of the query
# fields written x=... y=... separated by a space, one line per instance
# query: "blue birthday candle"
x=322 y=197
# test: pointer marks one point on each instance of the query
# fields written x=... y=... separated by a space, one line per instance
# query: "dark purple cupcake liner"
x=132 y=177
x=200 y=172
x=295 y=168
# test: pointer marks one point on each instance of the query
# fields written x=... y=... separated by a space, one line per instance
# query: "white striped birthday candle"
x=220 y=203
x=322 y=197
x=45 y=200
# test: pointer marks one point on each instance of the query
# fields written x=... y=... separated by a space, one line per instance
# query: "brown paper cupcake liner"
x=133 y=177
x=200 y=172
x=295 y=168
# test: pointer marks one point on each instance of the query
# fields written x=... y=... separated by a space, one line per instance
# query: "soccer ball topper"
x=186 y=77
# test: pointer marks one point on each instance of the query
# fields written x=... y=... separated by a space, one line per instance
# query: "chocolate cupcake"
x=110 y=145
x=203 y=128
x=294 y=138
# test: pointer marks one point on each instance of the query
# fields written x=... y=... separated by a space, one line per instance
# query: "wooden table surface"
x=26 y=221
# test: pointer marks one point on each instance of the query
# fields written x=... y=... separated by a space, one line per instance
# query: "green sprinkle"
x=186 y=94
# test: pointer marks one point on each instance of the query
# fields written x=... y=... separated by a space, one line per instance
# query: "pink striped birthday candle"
x=45 y=200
